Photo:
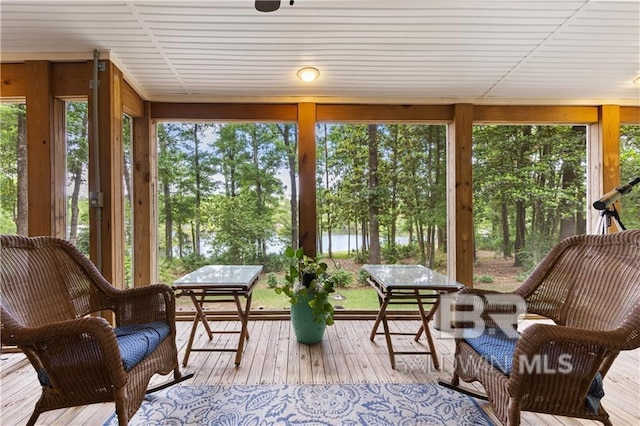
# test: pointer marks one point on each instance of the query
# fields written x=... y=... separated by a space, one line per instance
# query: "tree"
x=77 y=160
x=630 y=169
x=373 y=199
x=529 y=180
x=13 y=163
x=290 y=142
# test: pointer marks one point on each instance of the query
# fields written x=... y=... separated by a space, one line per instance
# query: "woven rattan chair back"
x=49 y=291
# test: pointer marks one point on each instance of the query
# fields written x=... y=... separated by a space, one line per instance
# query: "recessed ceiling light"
x=308 y=74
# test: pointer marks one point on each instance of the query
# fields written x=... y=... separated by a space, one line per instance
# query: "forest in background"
x=228 y=192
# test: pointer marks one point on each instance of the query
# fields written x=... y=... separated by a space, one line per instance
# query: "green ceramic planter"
x=306 y=329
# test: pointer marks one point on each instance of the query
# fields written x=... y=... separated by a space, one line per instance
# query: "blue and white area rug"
x=390 y=404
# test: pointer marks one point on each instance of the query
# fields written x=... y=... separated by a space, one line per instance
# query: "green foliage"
x=390 y=253
x=272 y=280
x=361 y=257
x=406 y=251
x=11 y=115
x=533 y=253
x=629 y=169
x=306 y=275
x=529 y=183
x=194 y=261
x=272 y=262
x=7 y=225
x=82 y=241
x=77 y=128
x=485 y=279
x=342 y=278
x=363 y=276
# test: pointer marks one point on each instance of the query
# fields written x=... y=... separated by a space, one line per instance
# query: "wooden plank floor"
x=272 y=356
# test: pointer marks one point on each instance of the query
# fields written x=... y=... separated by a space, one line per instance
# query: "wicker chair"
x=589 y=285
x=49 y=290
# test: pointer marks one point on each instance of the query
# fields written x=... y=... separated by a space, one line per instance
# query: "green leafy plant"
x=307 y=275
x=272 y=280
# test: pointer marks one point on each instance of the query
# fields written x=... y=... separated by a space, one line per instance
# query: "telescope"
x=615 y=194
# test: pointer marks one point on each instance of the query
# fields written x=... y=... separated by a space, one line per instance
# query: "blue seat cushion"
x=137 y=341
x=495 y=347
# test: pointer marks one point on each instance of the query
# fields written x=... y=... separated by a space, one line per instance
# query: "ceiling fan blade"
x=267 y=5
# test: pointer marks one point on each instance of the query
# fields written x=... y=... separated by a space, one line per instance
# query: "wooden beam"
x=388 y=114
x=460 y=195
x=603 y=153
x=514 y=114
x=39 y=140
x=629 y=115
x=307 y=176
x=110 y=254
x=224 y=112
x=71 y=79
x=13 y=81
x=145 y=200
x=132 y=104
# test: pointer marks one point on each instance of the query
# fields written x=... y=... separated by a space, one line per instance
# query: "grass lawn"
x=360 y=298
x=355 y=298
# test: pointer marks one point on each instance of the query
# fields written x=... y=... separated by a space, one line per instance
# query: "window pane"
x=629 y=170
x=77 y=175
x=381 y=199
x=225 y=198
x=529 y=193
x=13 y=169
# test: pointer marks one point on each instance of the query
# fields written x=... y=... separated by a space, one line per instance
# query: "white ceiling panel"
x=396 y=51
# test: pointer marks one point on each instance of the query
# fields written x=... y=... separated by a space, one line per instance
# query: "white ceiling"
x=394 y=51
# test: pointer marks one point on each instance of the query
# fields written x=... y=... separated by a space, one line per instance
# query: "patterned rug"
x=390 y=404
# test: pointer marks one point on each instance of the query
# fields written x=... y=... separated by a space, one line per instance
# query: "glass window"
x=381 y=198
x=13 y=168
x=529 y=193
x=77 y=192
x=225 y=197
x=629 y=171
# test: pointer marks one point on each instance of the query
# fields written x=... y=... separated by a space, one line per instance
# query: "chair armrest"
x=62 y=348
x=537 y=336
x=562 y=357
x=144 y=304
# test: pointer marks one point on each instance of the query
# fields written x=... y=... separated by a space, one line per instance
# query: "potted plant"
x=308 y=285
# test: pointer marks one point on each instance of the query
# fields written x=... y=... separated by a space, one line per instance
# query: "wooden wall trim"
x=111 y=165
x=132 y=104
x=603 y=150
x=145 y=200
x=629 y=115
x=13 y=81
x=307 y=177
x=460 y=195
x=498 y=114
x=163 y=111
x=361 y=113
x=39 y=148
x=71 y=79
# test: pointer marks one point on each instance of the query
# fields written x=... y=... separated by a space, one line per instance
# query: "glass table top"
x=220 y=276
x=410 y=277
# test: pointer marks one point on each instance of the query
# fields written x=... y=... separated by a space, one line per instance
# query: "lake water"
x=340 y=243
